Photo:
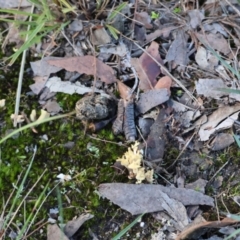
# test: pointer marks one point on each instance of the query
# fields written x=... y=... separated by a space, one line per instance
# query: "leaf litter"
x=197 y=53
x=144 y=198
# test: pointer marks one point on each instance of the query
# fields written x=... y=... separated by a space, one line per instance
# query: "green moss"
x=89 y=170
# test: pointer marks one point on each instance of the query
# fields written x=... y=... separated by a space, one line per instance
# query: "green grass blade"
x=27 y=44
x=113 y=31
x=19 y=191
x=117 y=10
x=31 y=217
x=233 y=234
x=35 y=2
x=39 y=36
x=224 y=63
x=17 y=12
x=35 y=124
x=126 y=229
x=46 y=10
x=236 y=137
x=17 y=22
x=229 y=90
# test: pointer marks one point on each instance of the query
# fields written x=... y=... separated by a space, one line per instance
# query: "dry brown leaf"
x=217 y=117
x=145 y=198
x=222 y=141
x=54 y=232
x=100 y=36
x=52 y=107
x=208 y=87
x=160 y=32
x=124 y=90
x=205 y=59
x=144 y=18
x=178 y=52
x=76 y=25
x=86 y=64
x=146 y=68
x=39 y=84
x=151 y=99
x=150 y=67
x=140 y=33
x=199 y=184
x=176 y=210
x=215 y=28
x=43 y=68
x=196 y=17
x=215 y=41
x=144 y=83
x=164 y=82
x=156 y=139
x=72 y=226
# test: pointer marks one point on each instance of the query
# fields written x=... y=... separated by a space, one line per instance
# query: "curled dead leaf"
x=164 y=82
x=123 y=89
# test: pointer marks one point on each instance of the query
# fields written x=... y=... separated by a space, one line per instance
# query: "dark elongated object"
x=129 y=123
x=118 y=123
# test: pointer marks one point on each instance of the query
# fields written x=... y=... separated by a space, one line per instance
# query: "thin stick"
x=184 y=148
x=220 y=169
x=146 y=145
x=103 y=140
x=75 y=49
x=20 y=77
x=39 y=227
x=135 y=82
x=217 y=208
x=234 y=8
x=224 y=204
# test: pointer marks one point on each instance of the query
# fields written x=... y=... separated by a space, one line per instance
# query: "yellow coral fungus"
x=132 y=160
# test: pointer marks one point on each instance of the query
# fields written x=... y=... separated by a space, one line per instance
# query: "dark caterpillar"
x=129 y=122
x=125 y=120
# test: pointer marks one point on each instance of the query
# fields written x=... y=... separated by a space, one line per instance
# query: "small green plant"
x=111 y=18
x=154 y=15
x=177 y=10
x=15 y=207
x=39 y=25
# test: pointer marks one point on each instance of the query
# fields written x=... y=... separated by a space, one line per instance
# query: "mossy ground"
x=88 y=170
